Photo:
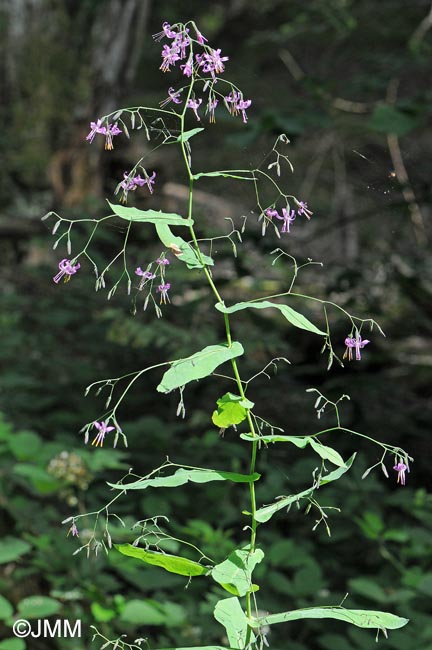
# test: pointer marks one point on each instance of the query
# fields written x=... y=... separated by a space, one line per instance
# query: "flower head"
x=287 y=218
x=66 y=269
x=173 y=96
x=166 y=32
x=356 y=343
x=162 y=261
x=170 y=57
x=194 y=104
x=103 y=429
x=111 y=131
x=303 y=209
x=73 y=530
x=212 y=61
x=188 y=67
x=96 y=127
x=163 y=290
x=400 y=468
x=211 y=105
x=241 y=106
x=147 y=275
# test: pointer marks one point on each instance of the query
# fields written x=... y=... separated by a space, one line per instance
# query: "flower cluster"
x=287 y=218
x=208 y=62
x=109 y=131
x=356 y=343
x=66 y=269
x=148 y=276
x=130 y=183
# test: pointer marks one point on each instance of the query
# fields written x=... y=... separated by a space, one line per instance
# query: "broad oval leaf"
x=172 y=563
x=182 y=249
x=182 y=476
x=232 y=409
x=293 y=316
x=6 y=608
x=266 y=512
x=38 y=607
x=234 y=573
x=11 y=548
x=199 y=365
x=229 y=613
x=327 y=453
x=150 y=216
x=359 y=617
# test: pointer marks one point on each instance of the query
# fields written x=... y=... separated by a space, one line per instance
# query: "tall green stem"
x=253 y=526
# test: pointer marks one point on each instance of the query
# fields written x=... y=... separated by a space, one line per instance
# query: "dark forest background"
x=350 y=84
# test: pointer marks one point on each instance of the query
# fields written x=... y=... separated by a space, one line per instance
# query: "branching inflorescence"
x=201 y=85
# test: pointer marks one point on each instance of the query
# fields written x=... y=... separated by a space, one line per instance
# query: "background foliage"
x=348 y=83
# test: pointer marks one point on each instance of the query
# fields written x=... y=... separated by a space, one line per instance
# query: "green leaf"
x=368 y=589
x=294 y=317
x=187 y=253
x=199 y=365
x=231 y=410
x=25 y=445
x=225 y=174
x=266 y=512
x=39 y=477
x=12 y=548
x=234 y=573
x=298 y=441
x=102 y=614
x=12 y=644
x=327 y=453
x=150 y=216
x=182 y=476
x=38 y=607
x=188 y=134
x=141 y=612
x=389 y=119
x=172 y=563
x=359 y=617
x=229 y=613
x=6 y=608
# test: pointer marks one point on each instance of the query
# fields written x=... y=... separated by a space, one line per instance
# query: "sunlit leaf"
x=234 y=573
x=229 y=613
x=38 y=607
x=182 y=476
x=266 y=512
x=231 y=410
x=182 y=249
x=327 y=453
x=359 y=617
x=294 y=317
x=224 y=174
x=149 y=216
x=199 y=365
x=172 y=563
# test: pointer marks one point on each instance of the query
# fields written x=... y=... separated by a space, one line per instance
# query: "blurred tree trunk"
x=65 y=64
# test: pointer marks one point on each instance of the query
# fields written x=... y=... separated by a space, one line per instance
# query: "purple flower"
x=163 y=290
x=231 y=101
x=103 y=429
x=73 y=530
x=149 y=181
x=148 y=275
x=287 y=218
x=241 y=106
x=194 y=104
x=111 y=131
x=213 y=62
x=130 y=184
x=188 y=67
x=170 y=56
x=66 y=270
x=400 y=468
x=356 y=343
x=166 y=32
x=200 y=38
x=95 y=128
x=172 y=97
x=164 y=261
x=303 y=209
x=211 y=105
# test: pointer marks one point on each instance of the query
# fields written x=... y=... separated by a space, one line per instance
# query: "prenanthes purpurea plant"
x=203 y=91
